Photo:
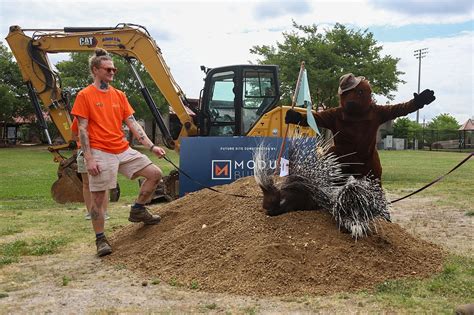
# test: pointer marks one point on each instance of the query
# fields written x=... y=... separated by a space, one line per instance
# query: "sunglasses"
x=110 y=70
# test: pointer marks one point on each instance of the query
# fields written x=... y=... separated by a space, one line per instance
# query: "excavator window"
x=221 y=105
x=236 y=97
x=259 y=95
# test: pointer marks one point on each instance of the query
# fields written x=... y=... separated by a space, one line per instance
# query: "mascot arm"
x=389 y=112
x=324 y=119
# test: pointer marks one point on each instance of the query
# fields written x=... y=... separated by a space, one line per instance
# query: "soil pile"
x=227 y=244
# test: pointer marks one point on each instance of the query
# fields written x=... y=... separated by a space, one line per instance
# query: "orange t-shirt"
x=105 y=111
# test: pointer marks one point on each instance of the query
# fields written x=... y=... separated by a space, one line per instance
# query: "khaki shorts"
x=81 y=164
x=126 y=163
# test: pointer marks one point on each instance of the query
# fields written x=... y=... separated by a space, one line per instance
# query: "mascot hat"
x=348 y=82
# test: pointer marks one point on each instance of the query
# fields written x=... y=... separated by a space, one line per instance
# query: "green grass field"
x=32 y=224
x=26 y=205
x=406 y=171
x=28 y=172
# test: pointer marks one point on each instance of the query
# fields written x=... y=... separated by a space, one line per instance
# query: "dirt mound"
x=227 y=244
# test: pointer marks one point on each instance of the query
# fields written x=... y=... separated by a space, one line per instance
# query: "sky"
x=218 y=33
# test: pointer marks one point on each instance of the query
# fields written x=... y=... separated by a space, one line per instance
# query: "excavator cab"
x=235 y=97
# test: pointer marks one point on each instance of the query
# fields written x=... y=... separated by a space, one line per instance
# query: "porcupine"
x=357 y=203
x=316 y=181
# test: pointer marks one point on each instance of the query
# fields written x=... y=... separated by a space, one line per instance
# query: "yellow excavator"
x=236 y=100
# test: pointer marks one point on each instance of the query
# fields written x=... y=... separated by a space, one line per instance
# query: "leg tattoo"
x=94 y=213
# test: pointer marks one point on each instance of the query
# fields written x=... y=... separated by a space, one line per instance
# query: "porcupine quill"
x=358 y=203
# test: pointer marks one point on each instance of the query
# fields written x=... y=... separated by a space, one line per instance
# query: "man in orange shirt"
x=100 y=110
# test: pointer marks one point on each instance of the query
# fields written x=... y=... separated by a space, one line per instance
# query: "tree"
x=403 y=127
x=442 y=127
x=13 y=93
x=75 y=75
x=328 y=56
x=444 y=122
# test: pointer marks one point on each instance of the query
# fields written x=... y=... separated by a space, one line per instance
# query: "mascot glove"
x=293 y=117
x=424 y=98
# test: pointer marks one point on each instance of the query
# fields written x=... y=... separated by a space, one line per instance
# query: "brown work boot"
x=142 y=214
x=103 y=246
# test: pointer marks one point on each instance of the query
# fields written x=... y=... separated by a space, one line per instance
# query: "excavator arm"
x=127 y=40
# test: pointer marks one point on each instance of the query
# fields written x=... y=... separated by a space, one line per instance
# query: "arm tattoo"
x=84 y=135
x=138 y=131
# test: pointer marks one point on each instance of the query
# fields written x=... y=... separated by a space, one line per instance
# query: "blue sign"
x=212 y=161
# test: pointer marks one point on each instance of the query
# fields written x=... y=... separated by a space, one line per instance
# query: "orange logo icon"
x=218 y=171
x=221 y=169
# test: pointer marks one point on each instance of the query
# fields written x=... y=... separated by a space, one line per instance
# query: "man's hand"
x=293 y=117
x=158 y=151
x=92 y=167
x=424 y=98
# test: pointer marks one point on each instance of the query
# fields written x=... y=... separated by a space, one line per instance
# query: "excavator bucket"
x=68 y=186
x=171 y=185
x=114 y=194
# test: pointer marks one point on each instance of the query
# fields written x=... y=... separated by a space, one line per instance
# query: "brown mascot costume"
x=355 y=122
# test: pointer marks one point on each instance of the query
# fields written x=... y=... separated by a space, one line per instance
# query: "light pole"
x=419 y=54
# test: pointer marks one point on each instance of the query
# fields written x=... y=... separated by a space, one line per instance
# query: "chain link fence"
x=440 y=140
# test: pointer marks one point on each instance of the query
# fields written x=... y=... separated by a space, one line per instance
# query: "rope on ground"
x=436 y=180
